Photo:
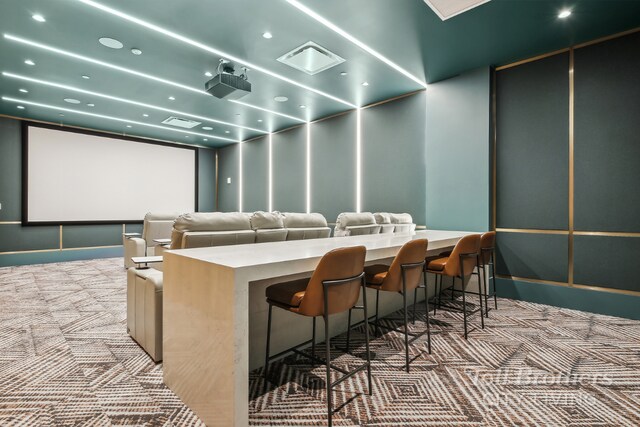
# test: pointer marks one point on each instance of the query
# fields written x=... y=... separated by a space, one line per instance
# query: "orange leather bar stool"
x=459 y=265
x=402 y=276
x=487 y=260
x=333 y=288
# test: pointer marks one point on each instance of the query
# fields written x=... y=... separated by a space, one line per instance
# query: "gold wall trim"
x=535 y=58
x=61 y=237
x=10 y=222
x=606 y=38
x=567 y=285
x=571 y=163
x=395 y=98
x=605 y=233
x=531 y=231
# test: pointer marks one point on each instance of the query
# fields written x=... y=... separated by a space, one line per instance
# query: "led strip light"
x=270 y=202
x=117 y=119
x=353 y=40
x=358 y=160
x=129 y=71
x=128 y=101
x=308 y=167
x=207 y=48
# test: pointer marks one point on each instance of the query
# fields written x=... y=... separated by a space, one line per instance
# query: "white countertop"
x=257 y=254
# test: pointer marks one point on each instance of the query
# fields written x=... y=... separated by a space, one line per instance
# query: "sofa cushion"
x=304 y=220
x=346 y=219
x=382 y=217
x=266 y=220
x=401 y=218
x=212 y=221
x=161 y=216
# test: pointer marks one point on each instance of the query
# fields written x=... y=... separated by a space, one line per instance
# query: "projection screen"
x=74 y=177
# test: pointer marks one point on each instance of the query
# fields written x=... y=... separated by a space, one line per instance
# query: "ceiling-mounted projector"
x=226 y=84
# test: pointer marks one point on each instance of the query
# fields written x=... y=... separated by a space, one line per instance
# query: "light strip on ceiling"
x=207 y=48
x=268 y=111
x=358 y=160
x=270 y=202
x=130 y=71
x=117 y=119
x=352 y=39
x=308 y=161
x=128 y=101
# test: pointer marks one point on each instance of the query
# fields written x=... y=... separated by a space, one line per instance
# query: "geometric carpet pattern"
x=66 y=359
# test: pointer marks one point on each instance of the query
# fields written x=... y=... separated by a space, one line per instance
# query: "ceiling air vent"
x=446 y=9
x=311 y=58
x=180 y=122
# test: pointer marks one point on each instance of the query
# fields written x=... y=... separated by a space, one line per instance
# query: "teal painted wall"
x=255 y=175
x=457 y=174
x=40 y=244
x=229 y=170
x=290 y=170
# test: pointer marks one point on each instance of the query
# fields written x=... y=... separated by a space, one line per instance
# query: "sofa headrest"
x=346 y=219
x=382 y=217
x=266 y=220
x=401 y=218
x=304 y=220
x=212 y=221
x=161 y=216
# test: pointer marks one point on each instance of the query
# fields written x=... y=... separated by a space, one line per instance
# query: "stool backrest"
x=410 y=253
x=337 y=264
x=467 y=245
x=487 y=241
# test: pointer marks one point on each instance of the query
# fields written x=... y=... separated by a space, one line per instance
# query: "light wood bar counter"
x=214 y=315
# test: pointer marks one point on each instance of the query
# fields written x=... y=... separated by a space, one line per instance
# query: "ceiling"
x=182 y=40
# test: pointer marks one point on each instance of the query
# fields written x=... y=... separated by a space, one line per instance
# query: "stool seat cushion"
x=436 y=263
x=288 y=293
x=375 y=274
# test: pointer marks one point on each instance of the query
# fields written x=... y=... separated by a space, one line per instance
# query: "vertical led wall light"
x=270 y=172
x=240 y=176
x=358 y=161
x=308 y=167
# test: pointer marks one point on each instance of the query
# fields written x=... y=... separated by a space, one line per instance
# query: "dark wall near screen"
x=538 y=237
x=39 y=244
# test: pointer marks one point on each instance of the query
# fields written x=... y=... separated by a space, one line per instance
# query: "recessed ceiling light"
x=564 y=14
x=208 y=74
x=23 y=90
x=111 y=43
x=39 y=18
x=171 y=98
x=302 y=106
x=136 y=51
x=259 y=120
x=267 y=35
x=227 y=131
x=72 y=100
x=20 y=107
x=344 y=73
x=207 y=128
x=365 y=83
x=281 y=99
x=29 y=62
x=205 y=139
x=116 y=119
x=129 y=126
x=186 y=136
x=84 y=76
x=91 y=105
x=61 y=115
x=237 y=114
x=145 y=115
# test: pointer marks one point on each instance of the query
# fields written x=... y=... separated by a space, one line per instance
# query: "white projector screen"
x=78 y=177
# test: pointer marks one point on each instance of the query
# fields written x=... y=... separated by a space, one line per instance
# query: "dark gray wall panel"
x=534 y=256
x=133 y=228
x=333 y=166
x=79 y=236
x=607 y=135
x=255 y=175
x=457 y=149
x=206 y=180
x=290 y=170
x=228 y=162
x=533 y=144
x=607 y=261
x=14 y=237
x=10 y=170
x=393 y=157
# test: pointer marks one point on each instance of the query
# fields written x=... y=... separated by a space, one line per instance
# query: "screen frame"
x=25 y=169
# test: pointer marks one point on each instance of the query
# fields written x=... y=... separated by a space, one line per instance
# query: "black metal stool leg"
x=426 y=306
x=366 y=334
x=406 y=322
x=377 y=330
x=327 y=343
x=266 y=355
x=479 y=294
x=415 y=302
x=349 y=331
x=313 y=339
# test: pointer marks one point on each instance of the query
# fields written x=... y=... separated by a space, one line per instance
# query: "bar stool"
x=333 y=288
x=402 y=276
x=460 y=264
x=487 y=258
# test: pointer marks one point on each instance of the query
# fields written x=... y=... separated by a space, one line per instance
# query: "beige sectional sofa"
x=156 y=225
x=361 y=223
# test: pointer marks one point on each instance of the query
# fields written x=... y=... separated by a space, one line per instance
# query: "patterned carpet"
x=65 y=359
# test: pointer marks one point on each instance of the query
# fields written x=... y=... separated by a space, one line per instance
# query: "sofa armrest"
x=133 y=247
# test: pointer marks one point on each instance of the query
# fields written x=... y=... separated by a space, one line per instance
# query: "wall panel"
x=206 y=180
x=255 y=175
x=78 y=236
x=290 y=170
x=333 y=166
x=533 y=256
x=607 y=261
x=533 y=144
x=229 y=168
